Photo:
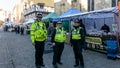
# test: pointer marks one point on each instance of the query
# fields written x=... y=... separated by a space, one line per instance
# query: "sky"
x=7 y=4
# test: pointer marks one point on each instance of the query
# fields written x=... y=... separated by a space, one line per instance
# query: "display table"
x=98 y=43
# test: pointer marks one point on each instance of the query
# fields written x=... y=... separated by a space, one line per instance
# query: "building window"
x=89 y=5
x=25 y=5
x=74 y=0
x=63 y=4
x=93 y=5
x=41 y=5
x=113 y=3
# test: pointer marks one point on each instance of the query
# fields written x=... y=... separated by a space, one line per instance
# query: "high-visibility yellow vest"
x=60 y=35
x=38 y=32
x=76 y=34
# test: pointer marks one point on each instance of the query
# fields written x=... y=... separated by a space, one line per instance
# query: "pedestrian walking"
x=38 y=37
x=18 y=29
x=22 y=30
x=77 y=42
x=58 y=39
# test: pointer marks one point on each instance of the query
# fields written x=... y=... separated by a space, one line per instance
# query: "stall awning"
x=106 y=10
x=49 y=17
x=100 y=15
x=69 y=12
x=29 y=21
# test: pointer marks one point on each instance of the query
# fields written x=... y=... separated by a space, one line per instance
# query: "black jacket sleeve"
x=53 y=36
x=71 y=36
x=83 y=35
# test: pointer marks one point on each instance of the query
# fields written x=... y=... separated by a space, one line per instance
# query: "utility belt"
x=42 y=38
x=77 y=40
x=59 y=41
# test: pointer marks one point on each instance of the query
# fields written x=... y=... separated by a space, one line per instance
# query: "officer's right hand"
x=53 y=44
x=33 y=44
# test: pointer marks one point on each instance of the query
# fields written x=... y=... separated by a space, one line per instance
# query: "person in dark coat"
x=50 y=31
x=105 y=28
x=18 y=29
x=15 y=29
x=22 y=30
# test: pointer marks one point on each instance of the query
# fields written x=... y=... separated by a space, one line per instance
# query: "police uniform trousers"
x=57 y=49
x=39 y=49
x=77 y=48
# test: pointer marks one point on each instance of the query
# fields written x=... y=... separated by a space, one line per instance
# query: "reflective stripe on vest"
x=76 y=34
x=60 y=35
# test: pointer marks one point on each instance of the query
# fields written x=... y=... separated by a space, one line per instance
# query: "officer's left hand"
x=71 y=44
x=84 y=45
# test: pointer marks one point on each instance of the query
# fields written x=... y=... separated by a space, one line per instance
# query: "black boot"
x=60 y=63
x=42 y=65
x=38 y=66
x=55 y=66
x=76 y=65
x=81 y=65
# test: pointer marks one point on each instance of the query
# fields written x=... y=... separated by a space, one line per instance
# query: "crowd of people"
x=18 y=29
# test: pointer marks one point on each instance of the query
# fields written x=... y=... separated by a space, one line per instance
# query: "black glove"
x=71 y=44
x=84 y=46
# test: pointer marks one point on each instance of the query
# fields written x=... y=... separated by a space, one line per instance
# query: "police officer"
x=58 y=39
x=38 y=37
x=77 y=41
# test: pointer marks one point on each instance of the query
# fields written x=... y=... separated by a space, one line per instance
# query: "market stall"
x=103 y=30
x=96 y=38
